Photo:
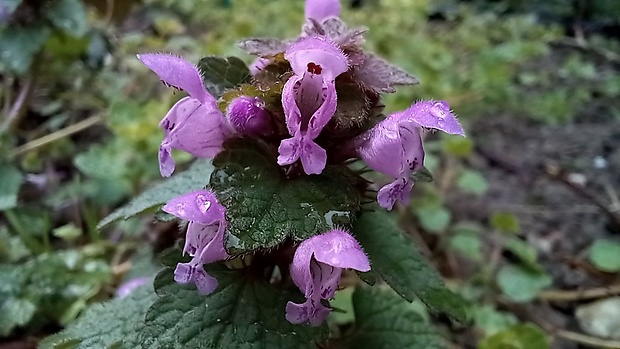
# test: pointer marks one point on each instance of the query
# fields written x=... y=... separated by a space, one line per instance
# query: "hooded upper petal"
x=434 y=115
x=336 y=248
x=318 y=10
x=198 y=206
x=179 y=73
x=317 y=55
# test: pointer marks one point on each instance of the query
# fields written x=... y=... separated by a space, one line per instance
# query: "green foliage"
x=264 y=208
x=472 y=182
x=55 y=287
x=384 y=320
x=196 y=177
x=524 y=336
x=491 y=320
x=605 y=255
x=68 y=16
x=220 y=74
x=466 y=241
x=242 y=313
x=505 y=222
x=433 y=218
x=397 y=260
x=19 y=45
x=114 y=324
x=9 y=185
x=521 y=284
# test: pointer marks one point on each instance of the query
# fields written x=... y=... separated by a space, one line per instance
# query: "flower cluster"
x=308 y=129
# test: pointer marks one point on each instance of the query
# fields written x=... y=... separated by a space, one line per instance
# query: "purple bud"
x=247 y=115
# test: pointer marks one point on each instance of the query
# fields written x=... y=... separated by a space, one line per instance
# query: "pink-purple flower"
x=316 y=270
x=194 y=124
x=204 y=240
x=309 y=99
x=319 y=10
x=394 y=146
x=248 y=115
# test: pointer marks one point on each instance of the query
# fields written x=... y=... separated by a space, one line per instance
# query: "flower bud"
x=247 y=115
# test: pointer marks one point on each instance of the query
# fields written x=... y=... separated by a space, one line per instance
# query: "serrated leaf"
x=68 y=16
x=20 y=45
x=263 y=208
x=243 y=312
x=384 y=320
x=394 y=256
x=220 y=74
x=196 y=177
x=521 y=284
x=114 y=324
x=524 y=336
x=11 y=180
x=378 y=75
x=605 y=255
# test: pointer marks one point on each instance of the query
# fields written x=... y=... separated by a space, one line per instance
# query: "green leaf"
x=521 y=284
x=605 y=255
x=394 y=256
x=468 y=244
x=15 y=312
x=490 y=320
x=220 y=74
x=525 y=336
x=434 y=219
x=11 y=180
x=114 y=324
x=264 y=208
x=68 y=16
x=526 y=253
x=67 y=232
x=472 y=182
x=505 y=222
x=422 y=175
x=20 y=45
x=196 y=177
x=457 y=146
x=243 y=312
x=384 y=320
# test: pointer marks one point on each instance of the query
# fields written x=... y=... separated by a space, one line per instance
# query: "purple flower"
x=318 y=10
x=316 y=270
x=194 y=124
x=247 y=115
x=204 y=240
x=394 y=146
x=309 y=99
x=434 y=115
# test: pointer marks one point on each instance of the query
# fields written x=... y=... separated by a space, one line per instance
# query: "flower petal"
x=196 y=128
x=313 y=157
x=166 y=162
x=321 y=9
x=339 y=249
x=289 y=150
x=178 y=73
x=198 y=206
x=434 y=115
x=311 y=311
x=398 y=190
x=319 y=55
x=258 y=65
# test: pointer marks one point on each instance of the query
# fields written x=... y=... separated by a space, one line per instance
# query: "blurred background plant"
x=522 y=217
